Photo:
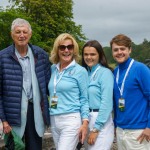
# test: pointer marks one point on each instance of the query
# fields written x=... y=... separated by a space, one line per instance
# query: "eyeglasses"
x=63 y=47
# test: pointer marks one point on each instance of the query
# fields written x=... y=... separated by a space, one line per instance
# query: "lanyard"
x=57 y=81
x=94 y=73
x=117 y=78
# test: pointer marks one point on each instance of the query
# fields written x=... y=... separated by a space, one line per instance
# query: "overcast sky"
x=3 y=2
x=103 y=19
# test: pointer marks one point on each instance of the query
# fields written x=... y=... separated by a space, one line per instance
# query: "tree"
x=6 y=18
x=53 y=16
x=5 y=38
x=141 y=52
x=108 y=54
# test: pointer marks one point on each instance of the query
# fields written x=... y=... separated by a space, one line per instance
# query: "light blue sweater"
x=71 y=90
x=101 y=93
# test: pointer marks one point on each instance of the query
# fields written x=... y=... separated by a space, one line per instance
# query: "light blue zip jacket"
x=71 y=90
x=100 y=92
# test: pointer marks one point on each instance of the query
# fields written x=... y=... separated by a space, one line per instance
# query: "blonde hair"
x=54 y=58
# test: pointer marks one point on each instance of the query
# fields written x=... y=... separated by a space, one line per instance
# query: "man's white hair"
x=20 y=22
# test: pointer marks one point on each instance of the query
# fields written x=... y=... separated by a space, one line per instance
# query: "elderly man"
x=24 y=75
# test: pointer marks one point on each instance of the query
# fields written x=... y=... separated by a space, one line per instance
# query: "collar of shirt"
x=125 y=64
x=70 y=65
x=93 y=68
x=19 y=56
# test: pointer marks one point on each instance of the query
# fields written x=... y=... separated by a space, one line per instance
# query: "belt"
x=94 y=110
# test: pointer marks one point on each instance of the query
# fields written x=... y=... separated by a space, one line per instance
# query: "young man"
x=24 y=77
x=131 y=97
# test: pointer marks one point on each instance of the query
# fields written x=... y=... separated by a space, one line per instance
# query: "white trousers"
x=65 y=130
x=127 y=140
x=106 y=135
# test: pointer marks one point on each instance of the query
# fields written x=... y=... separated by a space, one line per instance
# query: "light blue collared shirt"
x=26 y=69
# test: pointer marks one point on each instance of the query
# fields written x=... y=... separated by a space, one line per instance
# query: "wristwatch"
x=95 y=130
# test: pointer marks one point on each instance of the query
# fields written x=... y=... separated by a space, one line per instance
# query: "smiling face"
x=21 y=36
x=91 y=56
x=65 y=52
x=120 y=53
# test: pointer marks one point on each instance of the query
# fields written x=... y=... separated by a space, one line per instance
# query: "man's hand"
x=145 y=135
x=6 y=127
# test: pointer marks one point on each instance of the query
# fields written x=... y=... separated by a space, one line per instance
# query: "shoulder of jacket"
x=39 y=50
x=6 y=50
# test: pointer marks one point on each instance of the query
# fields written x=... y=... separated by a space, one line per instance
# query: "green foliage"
x=108 y=54
x=52 y=17
x=5 y=38
x=141 y=52
x=6 y=18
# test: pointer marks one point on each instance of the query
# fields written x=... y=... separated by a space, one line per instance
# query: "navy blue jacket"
x=11 y=83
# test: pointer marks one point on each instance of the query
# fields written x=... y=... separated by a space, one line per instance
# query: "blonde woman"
x=69 y=108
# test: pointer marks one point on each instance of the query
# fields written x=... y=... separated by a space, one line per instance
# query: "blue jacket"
x=11 y=82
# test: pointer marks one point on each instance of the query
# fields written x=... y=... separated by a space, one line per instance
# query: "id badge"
x=121 y=104
x=54 y=102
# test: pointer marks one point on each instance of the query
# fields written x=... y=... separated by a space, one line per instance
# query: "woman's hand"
x=92 y=137
x=83 y=131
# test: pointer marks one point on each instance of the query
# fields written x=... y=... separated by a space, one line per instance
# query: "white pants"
x=65 y=130
x=106 y=135
x=127 y=140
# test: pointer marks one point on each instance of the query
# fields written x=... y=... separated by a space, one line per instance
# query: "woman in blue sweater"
x=69 y=109
x=100 y=90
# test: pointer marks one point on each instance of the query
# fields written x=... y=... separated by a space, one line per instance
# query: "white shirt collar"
x=70 y=65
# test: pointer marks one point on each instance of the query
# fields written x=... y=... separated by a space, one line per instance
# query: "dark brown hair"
x=99 y=49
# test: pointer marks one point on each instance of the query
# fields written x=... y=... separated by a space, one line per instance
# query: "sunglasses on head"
x=63 y=47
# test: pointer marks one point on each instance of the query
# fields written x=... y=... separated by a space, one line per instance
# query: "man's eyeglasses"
x=63 y=47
